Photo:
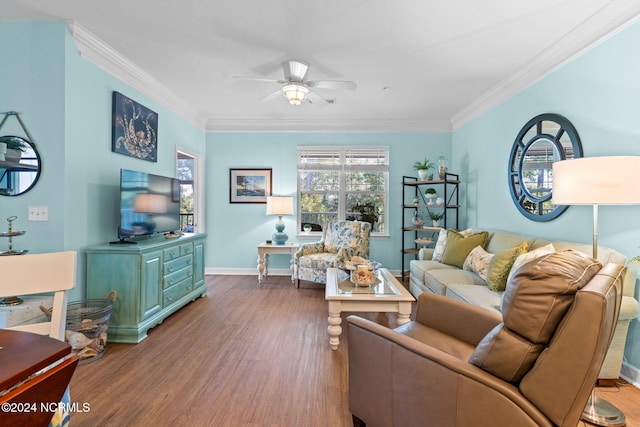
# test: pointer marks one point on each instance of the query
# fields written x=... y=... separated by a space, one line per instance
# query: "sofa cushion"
x=441 y=243
x=458 y=246
x=535 y=302
x=479 y=295
x=437 y=280
x=500 y=266
x=320 y=261
x=478 y=261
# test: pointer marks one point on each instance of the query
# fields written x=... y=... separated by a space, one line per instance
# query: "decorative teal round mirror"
x=543 y=140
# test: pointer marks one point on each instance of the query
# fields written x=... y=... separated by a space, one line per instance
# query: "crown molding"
x=321 y=125
x=105 y=57
x=610 y=20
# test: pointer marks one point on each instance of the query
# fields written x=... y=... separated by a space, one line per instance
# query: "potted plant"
x=436 y=217
x=422 y=166
x=430 y=193
x=15 y=147
x=307 y=228
x=368 y=212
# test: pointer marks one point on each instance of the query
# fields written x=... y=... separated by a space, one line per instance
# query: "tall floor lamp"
x=598 y=181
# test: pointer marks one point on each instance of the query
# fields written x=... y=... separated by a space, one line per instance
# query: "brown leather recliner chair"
x=460 y=365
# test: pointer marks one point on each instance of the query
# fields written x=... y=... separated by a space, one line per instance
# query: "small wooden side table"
x=265 y=249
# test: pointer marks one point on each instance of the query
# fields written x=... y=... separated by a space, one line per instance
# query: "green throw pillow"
x=500 y=266
x=458 y=247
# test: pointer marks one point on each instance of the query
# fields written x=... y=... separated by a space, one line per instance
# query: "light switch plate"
x=38 y=213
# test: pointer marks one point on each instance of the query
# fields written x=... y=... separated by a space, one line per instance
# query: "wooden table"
x=387 y=295
x=23 y=354
x=265 y=249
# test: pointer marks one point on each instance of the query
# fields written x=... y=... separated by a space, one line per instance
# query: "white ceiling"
x=441 y=62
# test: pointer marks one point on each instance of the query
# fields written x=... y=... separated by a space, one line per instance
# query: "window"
x=337 y=183
x=190 y=174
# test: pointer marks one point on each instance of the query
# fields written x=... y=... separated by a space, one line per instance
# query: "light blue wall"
x=33 y=85
x=65 y=103
x=599 y=92
x=236 y=229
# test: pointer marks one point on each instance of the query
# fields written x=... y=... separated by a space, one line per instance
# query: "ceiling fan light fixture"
x=295 y=93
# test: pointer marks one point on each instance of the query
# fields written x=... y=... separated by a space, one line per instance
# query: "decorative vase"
x=430 y=197
x=422 y=174
x=416 y=220
x=442 y=167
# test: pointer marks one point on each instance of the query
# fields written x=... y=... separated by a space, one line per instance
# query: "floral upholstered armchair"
x=341 y=240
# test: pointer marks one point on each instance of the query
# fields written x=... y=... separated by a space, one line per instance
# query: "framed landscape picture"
x=249 y=185
x=135 y=129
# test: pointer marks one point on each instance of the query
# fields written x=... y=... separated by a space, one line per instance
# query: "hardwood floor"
x=246 y=355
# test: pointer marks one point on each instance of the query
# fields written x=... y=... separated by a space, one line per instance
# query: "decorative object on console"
x=249 y=185
x=11 y=300
x=543 y=140
x=598 y=181
x=134 y=129
x=279 y=205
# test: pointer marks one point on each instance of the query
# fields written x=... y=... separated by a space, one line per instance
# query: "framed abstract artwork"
x=134 y=130
x=249 y=185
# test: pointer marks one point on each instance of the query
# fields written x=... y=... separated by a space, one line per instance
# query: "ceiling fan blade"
x=257 y=79
x=271 y=96
x=313 y=98
x=332 y=84
x=295 y=70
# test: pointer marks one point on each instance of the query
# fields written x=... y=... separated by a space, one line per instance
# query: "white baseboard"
x=630 y=374
x=246 y=271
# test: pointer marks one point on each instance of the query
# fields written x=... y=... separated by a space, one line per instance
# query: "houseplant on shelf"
x=422 y=166
x=15 y=147
x=430 y=193
x=435 y=217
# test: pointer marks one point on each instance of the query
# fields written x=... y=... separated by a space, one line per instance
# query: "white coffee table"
x=386 y=296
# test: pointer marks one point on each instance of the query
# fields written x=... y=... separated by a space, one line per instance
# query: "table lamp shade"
x=613 y=180
x=279 y=205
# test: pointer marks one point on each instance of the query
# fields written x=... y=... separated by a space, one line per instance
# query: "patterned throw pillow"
x=500 y=266
x=478 y=261
x=441 y=243
x=458 y=246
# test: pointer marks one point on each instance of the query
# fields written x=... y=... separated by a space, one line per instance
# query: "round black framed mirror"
x=20 y=165
x=544 y=139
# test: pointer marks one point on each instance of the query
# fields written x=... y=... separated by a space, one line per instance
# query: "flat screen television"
x=149 y=204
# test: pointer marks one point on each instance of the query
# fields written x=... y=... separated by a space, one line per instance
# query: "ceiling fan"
x=296 y=88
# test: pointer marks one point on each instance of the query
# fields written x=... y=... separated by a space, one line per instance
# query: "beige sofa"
x=427 y=275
